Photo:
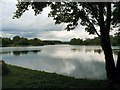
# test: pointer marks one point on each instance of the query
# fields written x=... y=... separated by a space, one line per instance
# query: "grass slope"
x=25 y=78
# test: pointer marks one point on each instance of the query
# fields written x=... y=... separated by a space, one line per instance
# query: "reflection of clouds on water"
x=93 y=70
x=84 y=69
x=67 y=53
x=76 y=62
x=64 y=59
x=68 y=67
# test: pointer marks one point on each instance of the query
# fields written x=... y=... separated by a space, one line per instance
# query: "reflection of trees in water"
x=35 y=51
x=5 y=52
x=115 y=51
x=18 y=53
x=95 y=50
x=99 y=51
x=87 y=50
x=76 y=49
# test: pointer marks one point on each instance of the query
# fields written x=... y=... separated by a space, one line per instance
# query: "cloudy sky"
x=31 y=26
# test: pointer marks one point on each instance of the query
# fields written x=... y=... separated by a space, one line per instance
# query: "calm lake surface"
x=69 y=60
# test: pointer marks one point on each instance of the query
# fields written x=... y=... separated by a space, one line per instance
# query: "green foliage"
x=116 y=14
x=21 y=41
x=113 y=40
x=16 y=40
x=6 y=42
x=5 y=69
x=71 y=13
x=78 y=41
x=25 y=78
x=23 y=6
x=52 y=42
x=36 y=42
x=75 y=41
x=117 y=37
x=95 y=41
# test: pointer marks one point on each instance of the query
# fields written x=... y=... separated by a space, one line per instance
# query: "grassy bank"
x=25 y=78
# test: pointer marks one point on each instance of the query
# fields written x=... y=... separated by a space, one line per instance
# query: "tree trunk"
x=105 y=41
x=118 y=68
x=109 y=61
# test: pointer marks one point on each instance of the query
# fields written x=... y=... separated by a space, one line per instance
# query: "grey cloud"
x=30 y=26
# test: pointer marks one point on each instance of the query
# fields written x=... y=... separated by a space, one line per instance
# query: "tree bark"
x=105 y=41
x=118 y=68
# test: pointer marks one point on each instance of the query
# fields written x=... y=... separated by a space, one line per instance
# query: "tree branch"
x=96 y=17
x=95 y=29
x=93 y=10
x=88 y=20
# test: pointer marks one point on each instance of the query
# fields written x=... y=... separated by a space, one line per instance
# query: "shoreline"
x=20 y=77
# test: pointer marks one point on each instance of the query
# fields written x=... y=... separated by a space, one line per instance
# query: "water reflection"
x=115 y=51
x=35 y=51
x=77 y=61
x=18 y=53
x=92 y=70
x=99 y=51
x=76 y=49
x=87 y=50
x=5 y=52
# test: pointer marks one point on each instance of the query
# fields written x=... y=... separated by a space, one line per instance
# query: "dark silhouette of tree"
x=23 y=41
x=6 y=42
x=36 y=42
x=89 y=15
x=75 y=41
x=16 y=40
x=94 y=41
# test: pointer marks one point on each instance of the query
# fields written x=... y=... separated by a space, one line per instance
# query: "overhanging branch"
x=88 y=20
x=94 y=29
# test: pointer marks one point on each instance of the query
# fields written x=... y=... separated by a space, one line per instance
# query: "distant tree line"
x=96 y=41
x=22 y=41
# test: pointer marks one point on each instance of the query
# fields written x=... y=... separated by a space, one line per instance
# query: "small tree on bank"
x=91 y=15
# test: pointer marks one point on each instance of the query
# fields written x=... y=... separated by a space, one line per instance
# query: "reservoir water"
x=70 y=60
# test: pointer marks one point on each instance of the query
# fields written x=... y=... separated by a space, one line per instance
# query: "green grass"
x=25 y=78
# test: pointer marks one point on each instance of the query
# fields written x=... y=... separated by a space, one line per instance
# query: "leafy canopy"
x=73 y=13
